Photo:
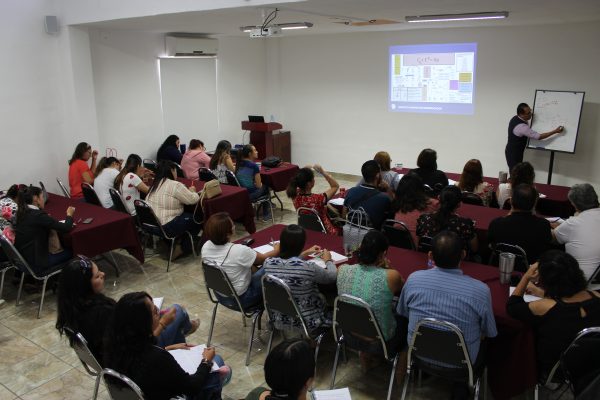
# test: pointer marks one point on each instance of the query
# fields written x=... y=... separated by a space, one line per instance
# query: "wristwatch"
x=207 y=362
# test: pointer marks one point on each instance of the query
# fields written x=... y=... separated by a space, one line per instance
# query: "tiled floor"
x=36 y=363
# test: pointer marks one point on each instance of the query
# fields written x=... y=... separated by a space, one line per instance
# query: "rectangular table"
x=233 y=200
x=108 y=231
x=279 y=177
x=511 y=355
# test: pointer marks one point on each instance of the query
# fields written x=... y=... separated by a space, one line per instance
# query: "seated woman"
x=471 y=180
x=410 y=201
x=447 y=219
x=289 y=371
x=302 y=277
x=221 y=161
x=129 y=181
x=8 y=213
x=79 y=171
x=523 y=172
x=169 y=150
x=565 y=309
x=167 y=198
x=131 y=351
x=235 y=259
x=33 y=231
x=194 y=158
x=427 y=170
x=83 y=308
x=247 y=173
x=300 y=191
x=388 y=177
x=106 y=172
x=376 y=283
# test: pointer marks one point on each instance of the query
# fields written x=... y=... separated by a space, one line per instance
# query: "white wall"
x=333 y=93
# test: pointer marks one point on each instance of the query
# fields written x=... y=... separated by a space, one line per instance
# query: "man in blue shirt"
x=368 y=196
x=444 y=293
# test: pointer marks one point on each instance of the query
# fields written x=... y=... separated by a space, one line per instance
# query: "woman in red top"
x=299 y=190
x=79 y=171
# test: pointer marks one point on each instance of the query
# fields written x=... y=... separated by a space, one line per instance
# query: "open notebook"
x=335 y=394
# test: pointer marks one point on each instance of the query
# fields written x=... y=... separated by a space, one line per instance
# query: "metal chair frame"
x=508 y=248
x=425 y=244
x=205 y=174
x=150 y=164
x=141 y=205
x=313 y=218
x=256 y=203
x=339 y=337
x=127 y=383
x=88 y=360
x=64 y=190
x=394 y=227
x=44 y=191
x=90 y=195
x=225 y=288
x=17 y=260
x=590 y=281
x=472 y=198
x=117 y=200
x=4 y=268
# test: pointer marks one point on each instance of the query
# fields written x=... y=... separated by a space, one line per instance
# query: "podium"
x=268 y=143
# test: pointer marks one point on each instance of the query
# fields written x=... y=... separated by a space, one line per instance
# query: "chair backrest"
x=521 y=263
x=205 y=174
x=15 y=257
x=507 y=204
x=471 y=198
x=117 y=200
x=438 y=347
x=231 y=178
x=580 y=362
x=593 y=279
x=44 y=191
x=147 y=218
x=63 y=188
x=79 y=344
x=425 y=244
x=354 y=315
x=90 y=194
x=398 y=234
x=217 y=280
x=121 y=387
x=180 y=173
x=308 y=218
x=150 y=164
x=277 y=296
x=358 y=217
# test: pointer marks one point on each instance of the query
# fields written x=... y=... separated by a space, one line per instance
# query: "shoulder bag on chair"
x=355 y=229
x=211 y=189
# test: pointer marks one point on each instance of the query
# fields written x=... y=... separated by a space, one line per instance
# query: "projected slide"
x=433 y=78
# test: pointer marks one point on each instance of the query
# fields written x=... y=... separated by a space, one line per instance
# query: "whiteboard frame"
x=578 y=121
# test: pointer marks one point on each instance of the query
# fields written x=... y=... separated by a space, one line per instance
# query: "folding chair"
x=353 y=316
x=148 y=221
x=472 y=198
x=518 y=251
x=117 y=201
x=90 y=194
x=64 y=190
x=309 y=218
x=425 y=244
x=150 y=164
x=89 y=362
x=205 y=174
x=19 y=263
x=264 y=200
x=439 y=348
x=231 y=178
x=121 y=387
x=591 y=281
x=216 y=280
x=4 y=268
x=44 y=191
x=278 y=297
x=398 y=234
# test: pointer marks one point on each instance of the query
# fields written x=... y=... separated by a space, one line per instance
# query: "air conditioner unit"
x=176 y=46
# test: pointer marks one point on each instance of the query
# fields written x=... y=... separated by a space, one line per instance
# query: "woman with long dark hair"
x=300 y=191
x=169 y=150
x=523 y=172
x=131 y=350
x=79 y=171
x=289 y=372
x=446 y=218
x=167 y=197
x=427 y=170
x=33 y=230
x=221 y=161
x=83 y=308
x=129 y=182
x=106 y=172
x=247 y=173
x=471 y=180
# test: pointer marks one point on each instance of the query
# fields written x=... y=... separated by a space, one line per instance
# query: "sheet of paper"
x=335 y=394
x=542 y=196
x=528 y=298
x=158 y=302
x=338 y=258
x=265 y=248
x=451 y=182
x=338 y=201
x=189 y=360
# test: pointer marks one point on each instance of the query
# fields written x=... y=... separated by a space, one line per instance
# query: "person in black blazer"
x=33 y=231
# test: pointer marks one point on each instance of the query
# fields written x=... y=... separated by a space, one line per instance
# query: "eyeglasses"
x=85 y=264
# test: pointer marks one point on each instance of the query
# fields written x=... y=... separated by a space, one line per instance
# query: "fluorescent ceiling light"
x=285 y=26
x=457 y=17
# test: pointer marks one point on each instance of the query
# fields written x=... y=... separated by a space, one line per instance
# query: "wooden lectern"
x=266 y=142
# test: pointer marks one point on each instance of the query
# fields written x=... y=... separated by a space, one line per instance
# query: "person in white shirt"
x=106 y=172
x=128 y=182
x=579 y=233
x=236 y=260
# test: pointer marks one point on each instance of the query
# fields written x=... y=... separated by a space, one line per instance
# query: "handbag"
x=54 y=245
x=271 y=162
x=355 y=229
x=211 y=189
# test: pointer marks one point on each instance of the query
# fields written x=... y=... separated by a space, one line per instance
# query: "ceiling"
x=329 y=16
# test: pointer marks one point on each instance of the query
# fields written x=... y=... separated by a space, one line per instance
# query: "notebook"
x=189 y=360
x=528 y=297
x=335 y=394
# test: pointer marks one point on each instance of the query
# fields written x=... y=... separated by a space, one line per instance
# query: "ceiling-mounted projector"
x=259 y=32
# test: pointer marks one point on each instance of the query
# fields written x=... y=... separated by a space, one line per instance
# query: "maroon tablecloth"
x=555 y=203
x=278 y=178
x=511 y=355
x=233 y=199
x=108 y=231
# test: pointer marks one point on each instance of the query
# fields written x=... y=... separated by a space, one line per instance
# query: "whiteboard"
x=551 y=109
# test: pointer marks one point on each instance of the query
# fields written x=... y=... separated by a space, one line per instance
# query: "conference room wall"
x=334 y=92
x=128 y=97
